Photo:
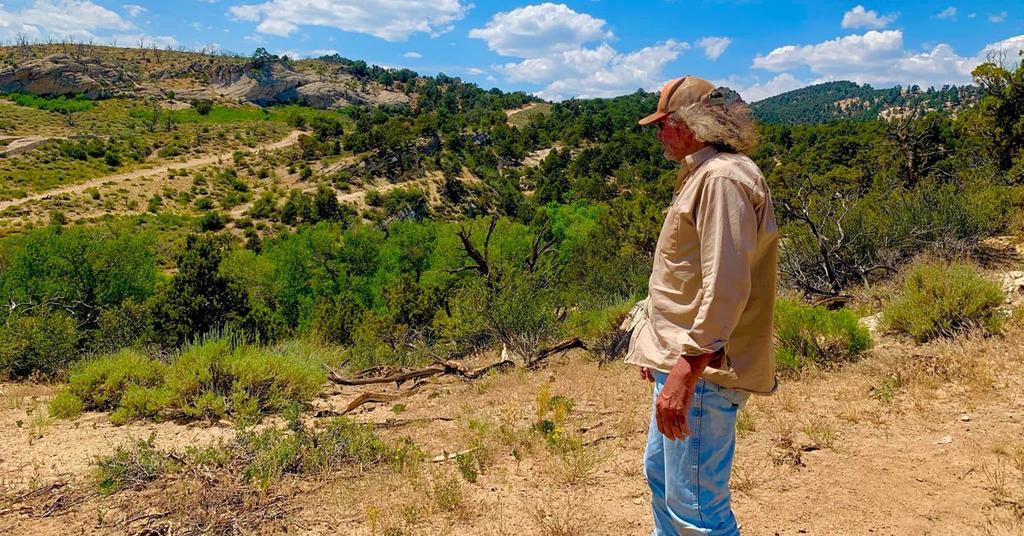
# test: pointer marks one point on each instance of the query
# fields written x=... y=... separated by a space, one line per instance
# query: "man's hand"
x=676 y=395
x=645 y=373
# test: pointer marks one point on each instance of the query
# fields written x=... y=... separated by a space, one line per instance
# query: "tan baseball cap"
x=681 y=93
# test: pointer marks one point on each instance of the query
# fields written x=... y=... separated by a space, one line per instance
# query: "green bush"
x=214 y=379
x=120 y=327
x=941 y=300
x=807 y=335
x=131 y=466
x=274 y=453
x=102 y=383
x=65 y=405
x=44 y=344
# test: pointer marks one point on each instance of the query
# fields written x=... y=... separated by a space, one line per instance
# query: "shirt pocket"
x=668 y=238
x=638 y=325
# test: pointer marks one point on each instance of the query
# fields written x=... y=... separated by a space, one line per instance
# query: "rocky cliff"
x=273 y=83
x=60 y=74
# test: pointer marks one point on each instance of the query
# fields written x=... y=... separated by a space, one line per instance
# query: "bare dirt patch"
x=911 y=440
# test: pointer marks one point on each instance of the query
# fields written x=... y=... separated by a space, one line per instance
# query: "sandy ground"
x=829 y=454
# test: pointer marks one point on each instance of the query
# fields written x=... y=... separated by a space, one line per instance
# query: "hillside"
x=263 y=79
x=230 y=308
x=830 y=101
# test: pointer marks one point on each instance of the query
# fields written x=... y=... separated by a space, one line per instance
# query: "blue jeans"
x=689 y=479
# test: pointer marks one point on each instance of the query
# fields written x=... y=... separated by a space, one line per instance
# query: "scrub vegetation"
x=358 y=319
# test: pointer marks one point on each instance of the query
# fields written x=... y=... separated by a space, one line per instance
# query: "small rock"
x=945 y=440
x=965 y=418
x=638 y=501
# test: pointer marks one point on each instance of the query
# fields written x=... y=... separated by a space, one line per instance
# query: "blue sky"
x=586 y=48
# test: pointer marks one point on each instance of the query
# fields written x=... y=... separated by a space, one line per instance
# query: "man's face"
x=677 y=139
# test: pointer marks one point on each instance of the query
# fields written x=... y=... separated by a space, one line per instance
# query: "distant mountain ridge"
x=831 y=101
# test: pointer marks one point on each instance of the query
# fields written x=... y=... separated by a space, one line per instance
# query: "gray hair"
x=728 y=127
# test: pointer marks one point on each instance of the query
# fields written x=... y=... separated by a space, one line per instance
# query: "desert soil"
x=912 y=440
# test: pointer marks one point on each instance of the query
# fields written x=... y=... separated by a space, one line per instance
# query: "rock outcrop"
x=61 y=74
x=281 y=83
x=276 y=82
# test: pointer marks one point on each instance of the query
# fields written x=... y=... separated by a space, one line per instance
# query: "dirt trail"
x=510 y=113
x=23 y=144
x=289 y=140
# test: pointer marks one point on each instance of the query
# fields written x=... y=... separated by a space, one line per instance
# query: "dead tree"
x=510 y=291
x=917 y=142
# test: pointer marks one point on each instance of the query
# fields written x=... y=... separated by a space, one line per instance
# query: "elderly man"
x=704 y=333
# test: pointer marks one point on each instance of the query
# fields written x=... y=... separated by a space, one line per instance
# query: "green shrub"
x=102 y=383
x=44 y=344
x=941 y=300
x=214 y=379
x=120 y=327
x=140 y=403
x=274 y=453
x=814 y=335
x=131 y=466
x=65 y=405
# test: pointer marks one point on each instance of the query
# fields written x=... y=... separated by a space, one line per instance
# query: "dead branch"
x=398 y=378
x=403 y=422
x=441 y=367
x=560 y=347
x=366 y=398
x=443 y=457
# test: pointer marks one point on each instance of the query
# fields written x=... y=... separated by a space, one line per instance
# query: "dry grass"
x=564 y=516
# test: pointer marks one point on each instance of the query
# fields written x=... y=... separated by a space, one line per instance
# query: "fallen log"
x=366 y=398
x=397 y=377
x=560 y=347
x=447 y=367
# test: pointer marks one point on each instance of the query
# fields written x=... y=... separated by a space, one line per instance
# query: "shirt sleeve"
x=726 y=224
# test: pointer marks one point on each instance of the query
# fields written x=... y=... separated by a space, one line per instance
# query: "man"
x=704 y=333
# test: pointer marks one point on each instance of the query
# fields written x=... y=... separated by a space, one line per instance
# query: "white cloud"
x=1009 y=49
x=858 y=17
x=391 y=20
x=596 y=72
x=972 y=15
x=569 y=54
x=475 y=71
x=136 y=39
x=533 y=30
x=762 y=90
x=836 y=55
x=998 y=17
x=880 y=58
x=714 y=46
x=134 y=10
x=413 y=55
x=948 y=13
x=60 y=19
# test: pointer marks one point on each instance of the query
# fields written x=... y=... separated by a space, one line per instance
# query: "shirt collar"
x=692 y=162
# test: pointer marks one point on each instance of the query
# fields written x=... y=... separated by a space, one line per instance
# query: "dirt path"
x=510 y=113
x=23 y=144
x=291 y=139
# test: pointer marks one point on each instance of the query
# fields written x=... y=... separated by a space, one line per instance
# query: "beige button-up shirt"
x=712 y=285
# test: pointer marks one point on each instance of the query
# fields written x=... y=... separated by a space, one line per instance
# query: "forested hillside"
x=831 y=101
x=563 y=209
x=313 y=245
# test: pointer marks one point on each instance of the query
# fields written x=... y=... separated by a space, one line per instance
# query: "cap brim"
x=652 y=118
